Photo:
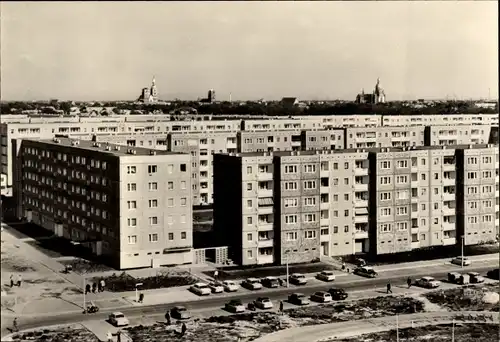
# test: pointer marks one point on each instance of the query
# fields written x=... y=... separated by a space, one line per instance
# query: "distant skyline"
x=311 y=50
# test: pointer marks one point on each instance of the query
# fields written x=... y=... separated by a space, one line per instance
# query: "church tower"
x=154 y=91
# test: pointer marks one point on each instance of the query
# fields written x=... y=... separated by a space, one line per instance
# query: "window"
x=346 y=181
x=385 y=196
x=308 y=185
x=346 y=229
x=131 y=187
x=402 y=164
x=132 y=239
x=422 y=207
x=170 y=236
x=183 y=185
x=422 y=176
x=183 y=235
x=152 y=168
x=153 y=203
x=401 y=179
x=291 y=202
x=308 y=218
x=309 y=168
x=346 y=165
x=401 y=210
x=250 y=254
x=249 y=186
x=385 y=227
x=132 y=204
x=335 y=198
x=346 y=213
x=170 y=185
x=385 y=180
x=249 y=236
x=249 y=170
x=402 y=195
x=291 y=186
x=170 y=202
x=290 y=168
x=153 y=220
x=183 y=168
x=131 y=169
x=132 y=222
x=249 y=220
x=346 y=197
x=153 y=237
x=436 y=206
x=335 y=166
x=310 y=234
x=153 y=186
x=335 y=229
x=291 y=236
x=385 y=165
x=324 y=231
x=402 y=226
x=385 y=211
x=183 y=201
x=309 y=201
x=291 y=219
x=249 y=203
x=335 y=213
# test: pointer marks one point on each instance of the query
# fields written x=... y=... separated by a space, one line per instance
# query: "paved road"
x=214 y=303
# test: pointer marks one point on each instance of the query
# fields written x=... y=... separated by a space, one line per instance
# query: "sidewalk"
x=326 y=332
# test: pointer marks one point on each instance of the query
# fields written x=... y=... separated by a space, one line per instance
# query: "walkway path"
x=327 y=332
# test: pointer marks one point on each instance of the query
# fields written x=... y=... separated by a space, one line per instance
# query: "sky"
x=311 y=50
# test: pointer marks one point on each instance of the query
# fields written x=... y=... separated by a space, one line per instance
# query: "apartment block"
x=304 y=205
x=132 y=205
x=457 y=135
x=382 y=136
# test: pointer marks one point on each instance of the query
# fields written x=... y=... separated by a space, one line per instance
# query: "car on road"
x=494 y=274
x=201 y=289
x=180 y=312
x=338 y=294
x=270 y=282
x=326 y=276
x=298 y=299
x=322 y=297
x=235 y=305
x=298 y=279
x=263 y=303
x=118 y=319
x=475 y=278
x=461 y=261
x=428 y=282
x=230 y=286
x=365 y=271
x=252 y=284
x=216 y=287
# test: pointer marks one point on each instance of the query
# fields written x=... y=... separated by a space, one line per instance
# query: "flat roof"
x=101 y=147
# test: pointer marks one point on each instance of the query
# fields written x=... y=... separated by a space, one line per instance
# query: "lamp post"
x=287 y=272
x=137 y=292
x=462 y=238
x=453 y=331
x=397 y=328
x=84 y=307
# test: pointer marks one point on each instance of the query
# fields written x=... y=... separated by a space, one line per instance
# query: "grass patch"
x=467 y=298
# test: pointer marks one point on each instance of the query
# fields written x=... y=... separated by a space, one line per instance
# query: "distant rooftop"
x=115 y=149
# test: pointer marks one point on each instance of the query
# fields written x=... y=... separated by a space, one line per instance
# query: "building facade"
x=132 y=205
x=298 y=206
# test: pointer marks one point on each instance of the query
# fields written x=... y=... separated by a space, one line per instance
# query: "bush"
x=125 y=282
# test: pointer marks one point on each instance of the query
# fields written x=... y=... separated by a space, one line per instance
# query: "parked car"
x=201 y=289
x=180 y=312
x=428 y=282
x=270 y=282
x=235 y=305
x=263 y=303
x=461 y=261
x=494 y=274
x=298 y=279
x=298 y=299
x=338 y=294
x=230 y=286
x=216 y=287
x=365 y=271
x=252 y=284
x=475 y=278
x=118 y=319
x=326 y=276
x=453 y=277
x=321 y=297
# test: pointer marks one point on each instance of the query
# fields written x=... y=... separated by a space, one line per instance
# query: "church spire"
x=154 y=81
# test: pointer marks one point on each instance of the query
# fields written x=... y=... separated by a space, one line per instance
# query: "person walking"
x=87 y=288
x=343 y=266
x=103 y=284
x=11 y=280
x=141 y=297
x=167 y=317
x=389 y=288
x=183 y=329
x=216 y=275
x=281 y=306
x=19 y=280
x=94 y=287
x=408 y=281
x=14 y=325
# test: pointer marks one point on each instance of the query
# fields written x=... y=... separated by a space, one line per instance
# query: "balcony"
x=265 y=176
x=414 y=169
x=264 y=226
x=449 y=241
x=414 y=183
x=360 y=203
x=359 y=171
x=447 y=211
x=230 y=144
x=361 y=219
x=449 y=167
x=324 y=221
x=265 y=210
x=415 y=245
x=361 y=234
x=324 y=173
x=266 y=243
x=361 y=187
x=449 y=181
x=265 y=193
x=414 y=214
x=265 y=259
x=448 y=196
x=324 y=189
x=296 y=143
x=448 y=226
x=324 y=206
x=414 y=230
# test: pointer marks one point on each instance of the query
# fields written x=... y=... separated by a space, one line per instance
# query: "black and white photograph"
x=236 y=171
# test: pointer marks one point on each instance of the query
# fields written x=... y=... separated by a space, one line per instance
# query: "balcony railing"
x=361 y=219
x=360 y=203
x=360 y=187
x=265 y=176
x=360 y=171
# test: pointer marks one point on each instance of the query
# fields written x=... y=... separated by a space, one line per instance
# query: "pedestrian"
x=103 y=284
x=109 y=336
x=281 y=281
x=216 y=275
x=389 y=288
x=167 y=317
x=14 y=325
x=281 y=306
x=183 y=329
x=19 y=280
x=94 y=288
x=408 y=281
x=119 y=336
x=87 y=288
x=11 y=280
x=343 y=266
x=141 y=297
x=348 y=270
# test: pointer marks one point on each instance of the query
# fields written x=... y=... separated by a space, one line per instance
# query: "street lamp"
x=137 y=292
x=462 y=238
x=287 y=272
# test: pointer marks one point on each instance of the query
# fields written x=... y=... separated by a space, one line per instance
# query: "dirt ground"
x=73 y=333
x=438 y=333
x=470 y=298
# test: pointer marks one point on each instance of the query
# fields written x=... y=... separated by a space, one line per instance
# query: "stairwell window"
x=132 y=239
x=152 y=168
x=153 y=237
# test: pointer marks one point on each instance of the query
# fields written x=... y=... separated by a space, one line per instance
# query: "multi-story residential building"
x=303 y=205
x=457 y=135
x=131 y=204
x=439 y=119
x=364 y=137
